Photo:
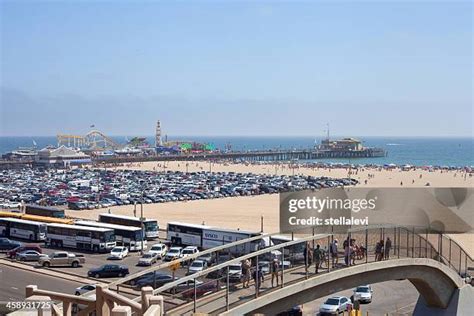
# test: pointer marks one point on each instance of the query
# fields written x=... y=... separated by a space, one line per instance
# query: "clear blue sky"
x=380 y=68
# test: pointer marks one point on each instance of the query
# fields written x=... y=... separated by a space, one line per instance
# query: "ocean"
x=420 y=151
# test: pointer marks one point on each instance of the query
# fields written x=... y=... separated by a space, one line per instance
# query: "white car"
x=189 y=251
x=84 y=289
x=335 y=305
x=363 y=294
x=197 y=266
x=148 y=259
x=235 y=272
x=173 y=253
x=118 y=252
x=159 y=249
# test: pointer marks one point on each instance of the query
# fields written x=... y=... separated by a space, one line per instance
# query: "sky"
x=211 y=68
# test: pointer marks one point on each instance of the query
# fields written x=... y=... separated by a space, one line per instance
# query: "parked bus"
x=130 y=237
x=206 y=237
x=10 y=214
x=95 y=239
x=44 y=211
x=295 y=251
x=20 y=228
x=37 y=218
x=151 y=225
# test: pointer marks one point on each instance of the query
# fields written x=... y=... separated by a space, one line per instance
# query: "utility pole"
x=141 y=224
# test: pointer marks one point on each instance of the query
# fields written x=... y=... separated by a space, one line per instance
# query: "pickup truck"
x=61 y=258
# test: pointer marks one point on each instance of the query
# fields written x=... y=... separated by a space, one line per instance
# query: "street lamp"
x=141 y=224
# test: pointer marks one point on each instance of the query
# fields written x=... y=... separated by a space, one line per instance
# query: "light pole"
x=141 y=224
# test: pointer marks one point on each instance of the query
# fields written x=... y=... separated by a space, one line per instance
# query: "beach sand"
x=246 y=212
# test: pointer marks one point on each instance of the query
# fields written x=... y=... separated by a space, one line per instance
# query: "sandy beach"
x=246 y=212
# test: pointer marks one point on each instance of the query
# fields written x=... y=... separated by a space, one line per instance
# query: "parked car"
x=159 y=249
x=197 y=266
x=28 y=255
x=8 y=244
x=148 y=259
x=209 y=258
x=118 y=252
x=108 y=270
x=155 y=280
x=84 y=289
x=173 y=253
x=235 y=272
x=201 y=289
x=61 y=258
x=189 y=251
x=335 y=305
x=363 y=294
x=12 y=253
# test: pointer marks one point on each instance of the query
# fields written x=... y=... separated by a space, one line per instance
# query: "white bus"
x=80 y=237
x=130 y=237
x=151 y=225
x=21 y=228
x=206 y=237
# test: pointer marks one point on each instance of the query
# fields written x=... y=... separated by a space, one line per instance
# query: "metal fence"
x=225 y=285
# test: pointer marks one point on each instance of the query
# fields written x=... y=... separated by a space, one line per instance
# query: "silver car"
x=363 y=294
x=335 y=305
x=28 y=255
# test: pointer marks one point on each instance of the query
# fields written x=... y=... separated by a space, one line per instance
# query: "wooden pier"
x=269 y=155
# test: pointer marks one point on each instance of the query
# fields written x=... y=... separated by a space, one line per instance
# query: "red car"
x=12 y=253
x=201 y=289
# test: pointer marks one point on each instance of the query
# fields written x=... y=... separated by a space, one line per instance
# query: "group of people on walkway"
x=382 y=249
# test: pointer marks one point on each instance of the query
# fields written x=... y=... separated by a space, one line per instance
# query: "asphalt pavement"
x=392 y=297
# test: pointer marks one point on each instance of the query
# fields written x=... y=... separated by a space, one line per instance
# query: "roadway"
x=392 y=297
x=13 y=282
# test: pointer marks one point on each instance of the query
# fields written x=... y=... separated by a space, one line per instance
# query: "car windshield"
x=197 y=264
x=156 y=248
x=187 y=252
x=117 y=250
x=362 y=290
x=147 y=255
x=235 y=268
x=174 y=251
x=332 y=301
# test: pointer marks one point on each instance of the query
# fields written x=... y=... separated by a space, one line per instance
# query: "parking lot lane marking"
x=15 y=288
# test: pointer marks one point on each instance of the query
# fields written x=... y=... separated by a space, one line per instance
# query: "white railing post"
x=122 y=311
x=101 y=305
x=146 y=293
x=30 y=290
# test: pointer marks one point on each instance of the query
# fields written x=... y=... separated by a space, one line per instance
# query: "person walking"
x=307 y=256
x=275 y=268
x=246 y=266
x=388 y=247
x=346 y=252
x=378 y=250
x=333 y=250
x=318 y=255
x=258 y=278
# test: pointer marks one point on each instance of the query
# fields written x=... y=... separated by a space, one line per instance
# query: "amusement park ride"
x=93 y=140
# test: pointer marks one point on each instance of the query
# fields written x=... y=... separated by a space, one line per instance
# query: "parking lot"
x=89 y=189
x=96 y=260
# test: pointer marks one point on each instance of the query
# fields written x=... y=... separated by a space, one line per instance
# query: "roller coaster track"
x=93 y=140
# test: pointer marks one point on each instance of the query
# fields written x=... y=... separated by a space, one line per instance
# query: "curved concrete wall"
x=435 y=282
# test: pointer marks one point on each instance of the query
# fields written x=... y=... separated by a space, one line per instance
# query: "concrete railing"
x=103 y=303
